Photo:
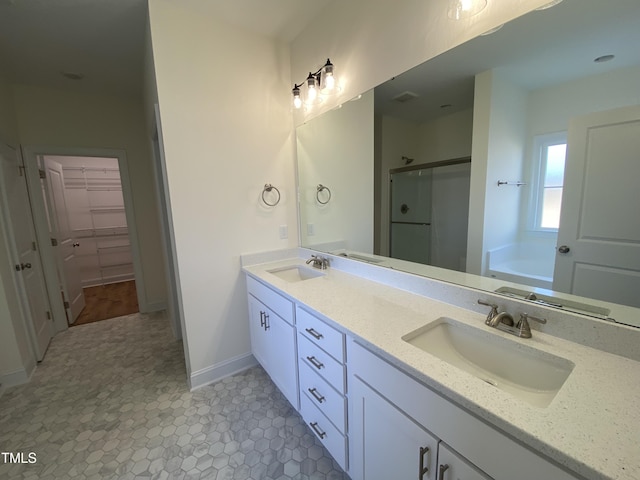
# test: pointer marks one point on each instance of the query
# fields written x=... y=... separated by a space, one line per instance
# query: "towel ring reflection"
x=268 y=188
x=319 y=189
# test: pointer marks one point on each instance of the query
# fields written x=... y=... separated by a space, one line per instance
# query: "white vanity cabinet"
x=321 y=356
x=386 y=442
x=452 y=466
x=393 y=419
x=273 y=337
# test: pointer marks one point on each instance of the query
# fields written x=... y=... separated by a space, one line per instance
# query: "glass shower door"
x=410 y=229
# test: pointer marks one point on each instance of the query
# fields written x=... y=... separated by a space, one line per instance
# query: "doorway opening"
x=87 y=223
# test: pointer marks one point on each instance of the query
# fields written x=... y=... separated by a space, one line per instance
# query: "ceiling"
x=103 y=40
x=536 y=50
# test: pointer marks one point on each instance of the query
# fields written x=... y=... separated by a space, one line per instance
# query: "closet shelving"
x=100 y=225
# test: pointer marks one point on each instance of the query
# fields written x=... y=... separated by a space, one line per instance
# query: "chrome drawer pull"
x=423 y=469
x=443 y=468
x=320 y=433
x=262 y=322
x=266 y=322
x=313 y=333
x=314 y=361
x=316 y=395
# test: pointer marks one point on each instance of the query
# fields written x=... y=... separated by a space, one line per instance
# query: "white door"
x=68 y=268
x=28 y=270
x=599 y=237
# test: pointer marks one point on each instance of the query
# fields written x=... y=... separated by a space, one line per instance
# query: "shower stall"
x=430 y=213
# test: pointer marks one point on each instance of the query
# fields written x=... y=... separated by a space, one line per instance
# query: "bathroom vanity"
x=399 y=376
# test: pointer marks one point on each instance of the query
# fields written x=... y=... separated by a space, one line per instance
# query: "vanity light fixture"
x=318 y=85
x=459 y=9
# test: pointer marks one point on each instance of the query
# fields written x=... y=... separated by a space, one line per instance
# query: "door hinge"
x=54 y=242
x=66 y=304
x=34 y=247
x=48 y=315
x=21 y=170
x=42 y=173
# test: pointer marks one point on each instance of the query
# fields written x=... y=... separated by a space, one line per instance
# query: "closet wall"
x=95 y=208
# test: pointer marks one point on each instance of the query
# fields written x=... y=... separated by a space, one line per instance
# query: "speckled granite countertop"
x=592 y=426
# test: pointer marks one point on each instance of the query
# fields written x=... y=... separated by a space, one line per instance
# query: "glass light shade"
x=312 y=96
x=328 y=80
x=459 y=9
x=297 y=100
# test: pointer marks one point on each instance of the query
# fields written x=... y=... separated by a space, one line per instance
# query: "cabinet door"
x=273 y=345
x=386 y=443
x=452 y=466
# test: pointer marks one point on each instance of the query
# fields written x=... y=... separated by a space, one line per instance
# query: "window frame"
x=539 y=166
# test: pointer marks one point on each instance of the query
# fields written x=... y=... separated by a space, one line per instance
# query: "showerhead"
x=407 y=160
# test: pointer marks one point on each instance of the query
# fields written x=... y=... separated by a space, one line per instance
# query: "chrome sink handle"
x=492 y=314
x=524 y=330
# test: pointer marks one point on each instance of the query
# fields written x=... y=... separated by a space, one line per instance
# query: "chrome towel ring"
x=268 y=188
x=319 y=189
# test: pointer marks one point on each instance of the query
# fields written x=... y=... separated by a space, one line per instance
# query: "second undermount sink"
x=295 y=273
x=525 y=372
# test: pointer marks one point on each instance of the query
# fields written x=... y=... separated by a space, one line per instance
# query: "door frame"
x=30 y=155
x=174 y=300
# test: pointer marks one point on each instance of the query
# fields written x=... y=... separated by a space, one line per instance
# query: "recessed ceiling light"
x=549 y=5
x=73 y=75
x=604 y=58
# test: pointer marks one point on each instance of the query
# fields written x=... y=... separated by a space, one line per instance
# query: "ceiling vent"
x=405 y=97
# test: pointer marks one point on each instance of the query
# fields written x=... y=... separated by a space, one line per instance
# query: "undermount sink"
x=525 y=372
x=295 y=273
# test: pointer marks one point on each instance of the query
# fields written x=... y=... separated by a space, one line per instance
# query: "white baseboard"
x=214 y=373
x=17 y=377
x=152 y=307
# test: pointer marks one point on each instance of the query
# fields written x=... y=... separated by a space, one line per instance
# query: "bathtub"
x=527 y=264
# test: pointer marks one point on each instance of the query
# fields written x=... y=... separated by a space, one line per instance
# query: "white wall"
x=55 y=118
x=336 y=150
x=498 y=154
x=370 y=41
x=225 y=136
x=446 y=137
x=550 y=108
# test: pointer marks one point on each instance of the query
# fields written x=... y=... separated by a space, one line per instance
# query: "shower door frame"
x=420 y=166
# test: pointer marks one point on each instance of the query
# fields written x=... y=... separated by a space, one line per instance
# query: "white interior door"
x=68 y=267
x=599 y=237
x=19 y=226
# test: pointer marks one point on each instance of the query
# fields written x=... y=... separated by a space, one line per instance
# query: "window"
x=549 y=160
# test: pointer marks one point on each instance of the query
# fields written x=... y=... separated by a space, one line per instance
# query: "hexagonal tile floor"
x=110 y=401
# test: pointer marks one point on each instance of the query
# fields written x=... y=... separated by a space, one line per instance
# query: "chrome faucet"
x=504 y=321
x=318 y=262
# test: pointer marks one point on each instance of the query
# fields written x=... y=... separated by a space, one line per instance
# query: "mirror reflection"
x=551 y=125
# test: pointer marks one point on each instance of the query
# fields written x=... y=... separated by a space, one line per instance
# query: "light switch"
x=284 y=232
x=311 y=229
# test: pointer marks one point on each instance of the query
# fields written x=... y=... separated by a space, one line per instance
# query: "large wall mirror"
x=510 y=164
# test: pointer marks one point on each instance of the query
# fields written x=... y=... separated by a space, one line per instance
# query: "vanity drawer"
x=322 y=363
x=276 y=302
x=328 y=434
x=324 y=396
x=321 y=334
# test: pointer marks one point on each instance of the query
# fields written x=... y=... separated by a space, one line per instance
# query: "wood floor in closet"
x=108 y=301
